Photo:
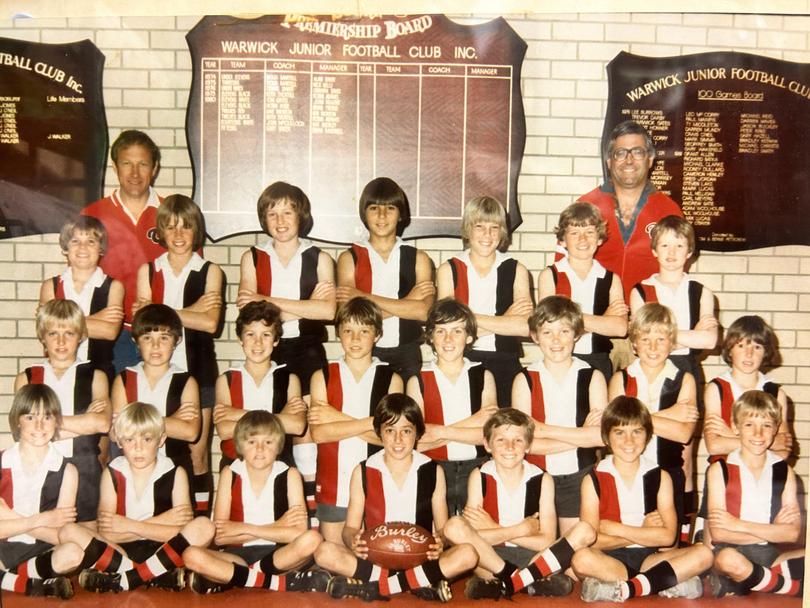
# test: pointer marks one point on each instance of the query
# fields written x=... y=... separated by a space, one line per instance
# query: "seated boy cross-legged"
x=145 y=518
x=260 y=517
x=510 y=518
x=396 y=484
x=628 y=500
x=753 y=507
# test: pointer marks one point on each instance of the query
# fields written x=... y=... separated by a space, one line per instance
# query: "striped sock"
x=366 y=571
x=426 y=575
x=792 y=571
x=16 y=582
x=39 y=566
x=553 y=559
x=101 y=556
x=661 y=576
x=167 y=557
x=201 y=487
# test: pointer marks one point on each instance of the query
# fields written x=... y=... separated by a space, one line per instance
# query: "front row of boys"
x=147 y=532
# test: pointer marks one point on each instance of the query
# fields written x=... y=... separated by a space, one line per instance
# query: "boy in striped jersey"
x=145 y=520
x=510 y=518
x=628 y=500
x=260 y=517
x=396 y=484
x=259 y=383
x=753 y=507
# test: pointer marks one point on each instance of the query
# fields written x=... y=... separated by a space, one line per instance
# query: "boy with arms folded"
x=260 y=518
x=753 y=507
x=628 y=500
x=344 y=396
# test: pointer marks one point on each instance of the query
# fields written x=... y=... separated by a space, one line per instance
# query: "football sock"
x=661 y=576
x=553 y=559
x=426 y=575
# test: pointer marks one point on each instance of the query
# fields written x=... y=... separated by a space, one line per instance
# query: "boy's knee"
x=67 y=557
x=199 y=531
x=460 y=558
x=327 y=555
x=193 y=557
x=456 y=529
x=730 y=561
x=581 y=535
x=703 y=556
x=309 y=541
x=582 y=561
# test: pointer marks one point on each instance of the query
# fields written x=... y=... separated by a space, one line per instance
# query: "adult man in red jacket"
x=630 y=205
x=129 y=215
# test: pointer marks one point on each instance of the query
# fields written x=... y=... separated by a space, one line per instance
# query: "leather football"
x=397 y=545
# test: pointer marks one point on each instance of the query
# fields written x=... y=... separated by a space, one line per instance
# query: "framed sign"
x=53 y=133
x=731 y=133
x=329 y=104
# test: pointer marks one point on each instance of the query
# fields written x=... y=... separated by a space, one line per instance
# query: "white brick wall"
x=146 y=81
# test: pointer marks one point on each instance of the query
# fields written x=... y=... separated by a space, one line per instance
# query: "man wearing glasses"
x=630 y=205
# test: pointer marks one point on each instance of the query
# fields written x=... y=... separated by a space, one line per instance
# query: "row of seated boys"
x=623 y=546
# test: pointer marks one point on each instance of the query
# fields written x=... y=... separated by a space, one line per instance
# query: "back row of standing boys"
x=473 y=409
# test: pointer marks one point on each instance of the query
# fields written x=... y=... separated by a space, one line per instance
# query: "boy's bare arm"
x=677 y=423
x=658 y=528
x=719 y=437
x=98 y=415
x=704 y=334
x=184 y=423
x=514 y=322
x=354 y=515
x=45 y=525
x=204 y=314
x=284 y=530
x=613 y=322
x=414 y=305
x=293 y=416
x=321 y=303
x=727 y=528
x=105 y=324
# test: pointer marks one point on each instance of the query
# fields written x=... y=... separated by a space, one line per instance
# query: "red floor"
x=154 y=598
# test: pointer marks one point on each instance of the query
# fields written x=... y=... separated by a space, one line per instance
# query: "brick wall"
x=146 y=81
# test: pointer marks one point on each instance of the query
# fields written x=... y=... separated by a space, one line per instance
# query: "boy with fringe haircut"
x=511 y=521
x=456 y=396
x=260 y=517
x=395 y=484
x=83 y=393
x=577 y=275
x=259 y=383
x=565 y=397
x=752 y=507
x=344 y=396
x=628 y=500
x=145 y=519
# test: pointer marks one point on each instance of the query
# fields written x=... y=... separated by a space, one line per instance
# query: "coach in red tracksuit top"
x=630 y=205
x=129 y=215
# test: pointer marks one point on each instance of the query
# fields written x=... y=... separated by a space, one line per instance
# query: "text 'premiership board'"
x=731 y=132
x=329 y=104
